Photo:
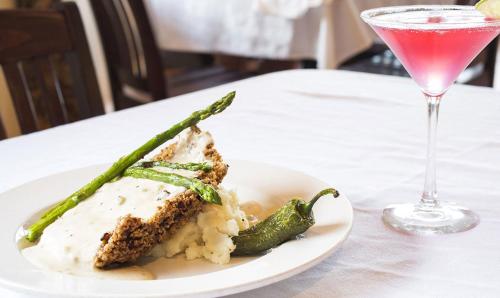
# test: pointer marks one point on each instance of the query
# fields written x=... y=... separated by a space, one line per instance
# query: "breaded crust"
x=134 y=237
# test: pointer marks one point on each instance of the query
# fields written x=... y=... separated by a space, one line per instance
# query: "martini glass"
x=434 y=43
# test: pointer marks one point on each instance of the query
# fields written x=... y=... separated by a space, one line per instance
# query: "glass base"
x=419 y=219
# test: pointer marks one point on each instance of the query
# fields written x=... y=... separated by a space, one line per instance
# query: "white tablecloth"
x=365 y=134
x=329 y=31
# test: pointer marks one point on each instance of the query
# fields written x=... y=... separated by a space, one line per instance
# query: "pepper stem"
x=307 y=208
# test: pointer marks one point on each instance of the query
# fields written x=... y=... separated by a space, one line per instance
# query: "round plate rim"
x=257 y=283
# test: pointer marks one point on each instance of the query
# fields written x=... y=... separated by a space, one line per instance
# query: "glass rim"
x=369 y=17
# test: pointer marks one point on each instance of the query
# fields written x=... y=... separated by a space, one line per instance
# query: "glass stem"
x=429 y=196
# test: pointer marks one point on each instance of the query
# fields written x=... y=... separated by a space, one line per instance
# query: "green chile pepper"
x=294 y=218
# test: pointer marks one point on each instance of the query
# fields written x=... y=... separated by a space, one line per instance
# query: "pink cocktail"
x=435 y=57
x=435 y=43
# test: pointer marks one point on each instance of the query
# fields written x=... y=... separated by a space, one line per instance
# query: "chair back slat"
x=52 y=97
x=132 y=52
x=134 y=61
x=21 y=96
x=80 y=91
x=80 y=59
x=48 y=67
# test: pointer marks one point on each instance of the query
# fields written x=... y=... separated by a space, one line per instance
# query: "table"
x=363 y=133
x=329 y=31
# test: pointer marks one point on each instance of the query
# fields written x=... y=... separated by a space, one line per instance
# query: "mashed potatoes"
x=209 y=234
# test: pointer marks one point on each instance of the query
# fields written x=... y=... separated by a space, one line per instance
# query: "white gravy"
x=70 y=243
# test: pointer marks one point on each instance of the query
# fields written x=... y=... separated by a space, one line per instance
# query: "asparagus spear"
x=205 y=191
x=191 y=166
x=36 y=229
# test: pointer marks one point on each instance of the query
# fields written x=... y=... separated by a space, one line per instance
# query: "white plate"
x=269 y=185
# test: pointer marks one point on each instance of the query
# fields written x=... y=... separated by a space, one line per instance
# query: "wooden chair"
x=48 y=67
x=134 y=61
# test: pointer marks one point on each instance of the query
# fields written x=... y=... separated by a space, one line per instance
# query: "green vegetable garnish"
x=294 y=218
x=205 y=191
x=191 y=166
